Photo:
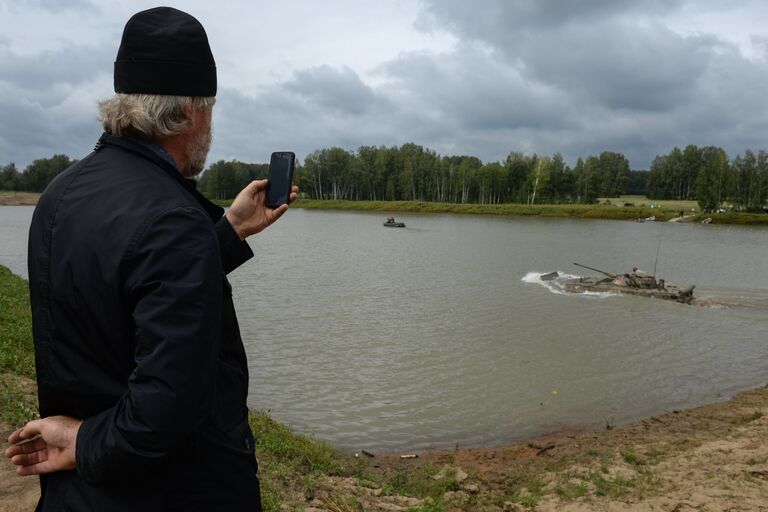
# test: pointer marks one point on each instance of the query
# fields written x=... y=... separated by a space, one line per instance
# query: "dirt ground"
x=16 y=494
x=709 y=459
x=18 y=198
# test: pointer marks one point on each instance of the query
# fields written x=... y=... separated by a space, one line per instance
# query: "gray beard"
x=196 y=153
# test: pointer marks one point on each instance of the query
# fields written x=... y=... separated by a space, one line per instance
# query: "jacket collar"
x=127 y=144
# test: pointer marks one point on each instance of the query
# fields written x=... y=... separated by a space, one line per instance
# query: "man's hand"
x=44 y=446
x=249 y=213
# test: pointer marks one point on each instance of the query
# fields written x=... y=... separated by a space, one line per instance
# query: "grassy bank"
x=17 y=364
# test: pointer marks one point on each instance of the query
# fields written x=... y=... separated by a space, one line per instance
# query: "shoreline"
x=708 y=458
x=574 y=211
x=553 y=211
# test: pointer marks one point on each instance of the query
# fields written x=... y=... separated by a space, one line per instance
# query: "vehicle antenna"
x=657 y=249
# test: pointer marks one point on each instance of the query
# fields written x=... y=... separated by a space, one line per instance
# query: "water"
x=430 y=336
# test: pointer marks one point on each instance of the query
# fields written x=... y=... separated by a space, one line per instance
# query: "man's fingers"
x=33 y=446
x=35 y=469
x=28 y=459
x=255 y=187
x=278 y=212
x=15 y=436
x=28 y=431
x=31 y=429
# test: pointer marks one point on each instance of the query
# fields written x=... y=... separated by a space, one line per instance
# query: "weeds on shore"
x=16 y=348
x=17 y=357
x=290 y=463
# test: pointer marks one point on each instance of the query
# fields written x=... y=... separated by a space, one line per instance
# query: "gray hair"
x=148 y=115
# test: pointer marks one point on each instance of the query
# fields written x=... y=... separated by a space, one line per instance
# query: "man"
x=141 y=371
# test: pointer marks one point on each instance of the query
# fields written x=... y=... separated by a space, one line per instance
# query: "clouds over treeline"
x=530 y=75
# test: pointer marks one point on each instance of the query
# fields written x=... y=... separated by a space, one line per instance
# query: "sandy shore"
x=708 y=459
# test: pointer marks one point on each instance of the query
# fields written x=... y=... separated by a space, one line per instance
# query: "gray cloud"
x=472 y=89
x=47 y=102
x=338 y=90
x=532 y=76
x=761 y=43
x=30 y=131
x=505 y=19
x=593 y=76
x=72 y=65
x=58 y=5
x=597 y=50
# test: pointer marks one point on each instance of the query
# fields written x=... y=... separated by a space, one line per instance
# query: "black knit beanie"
x=165 y=51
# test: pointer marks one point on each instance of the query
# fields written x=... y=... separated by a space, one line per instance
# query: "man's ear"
x=188 y=112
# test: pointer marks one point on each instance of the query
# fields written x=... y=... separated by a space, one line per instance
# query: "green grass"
x=420 y=482
x=16 y=406
x=16 y=348
x=17 y=357
x=630 y=457
x=291 y=464
x=277 y=444
x=743 y=420
x=569 y=490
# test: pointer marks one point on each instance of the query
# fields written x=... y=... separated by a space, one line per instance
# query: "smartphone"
x=280 y=176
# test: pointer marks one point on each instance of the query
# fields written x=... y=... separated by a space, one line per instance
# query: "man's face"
x=199 y=143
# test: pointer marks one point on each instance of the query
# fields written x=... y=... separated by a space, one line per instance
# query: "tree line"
x=709 y=177
x=413 y=173
x=36 y=176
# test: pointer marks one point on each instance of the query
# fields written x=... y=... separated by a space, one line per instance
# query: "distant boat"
x=392 y=224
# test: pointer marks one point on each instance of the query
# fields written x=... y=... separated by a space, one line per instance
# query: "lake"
x=438 y=335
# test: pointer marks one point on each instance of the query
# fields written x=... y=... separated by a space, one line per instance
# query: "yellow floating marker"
x=553 y=392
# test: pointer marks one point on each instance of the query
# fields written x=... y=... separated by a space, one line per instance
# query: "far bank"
x=580 y=211
x=662 y=210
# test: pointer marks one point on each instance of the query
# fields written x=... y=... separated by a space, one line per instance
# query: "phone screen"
x=280 y=176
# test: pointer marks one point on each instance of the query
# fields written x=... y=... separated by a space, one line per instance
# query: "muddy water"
x=430 y=336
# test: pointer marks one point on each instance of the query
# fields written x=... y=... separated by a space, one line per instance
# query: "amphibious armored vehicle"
x=635 y=283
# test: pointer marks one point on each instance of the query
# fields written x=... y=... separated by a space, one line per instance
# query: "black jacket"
x=135 y=332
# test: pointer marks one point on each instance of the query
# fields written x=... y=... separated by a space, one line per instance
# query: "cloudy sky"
x=482 y=78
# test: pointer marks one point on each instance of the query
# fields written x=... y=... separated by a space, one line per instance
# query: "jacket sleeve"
x=173 y=285
x=234 y=252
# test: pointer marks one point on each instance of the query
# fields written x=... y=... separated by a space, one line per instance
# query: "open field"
x=712 y=458
x=665 y=204
x=18 y=198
